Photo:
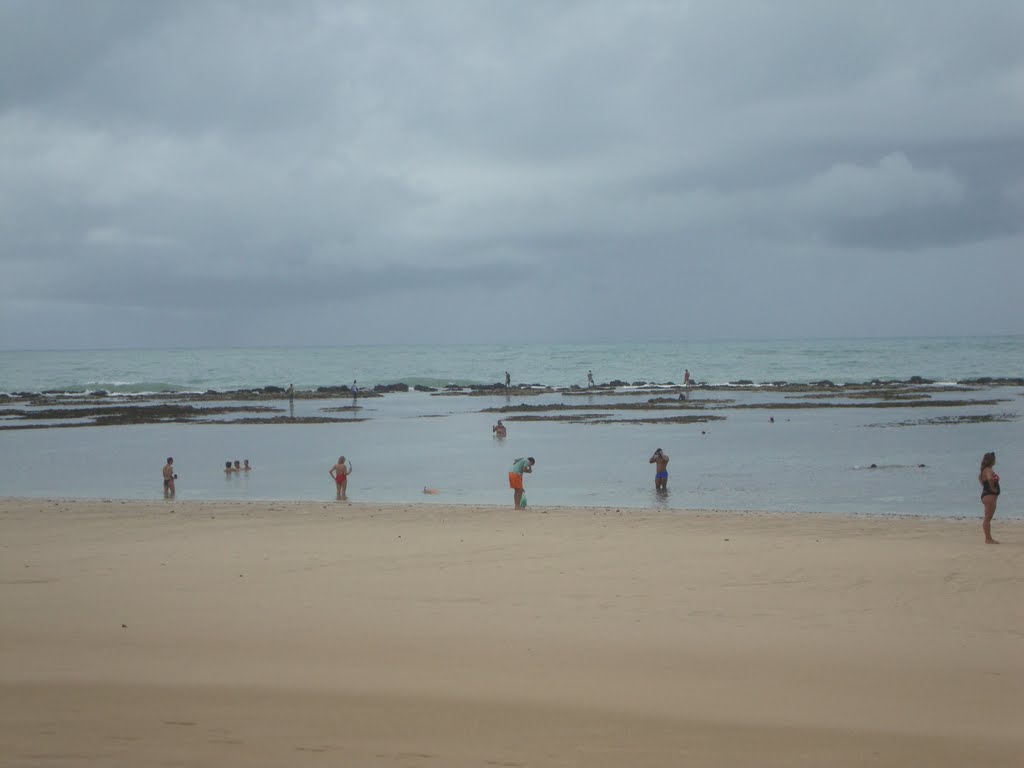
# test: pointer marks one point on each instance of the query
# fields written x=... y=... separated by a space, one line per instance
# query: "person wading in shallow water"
x=515 y=478
x=169 y=478
x=989 y=493
x=660 y=460
x=340 y=473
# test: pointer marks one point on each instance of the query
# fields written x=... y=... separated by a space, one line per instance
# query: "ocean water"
x=810 y=460
x=560 y=365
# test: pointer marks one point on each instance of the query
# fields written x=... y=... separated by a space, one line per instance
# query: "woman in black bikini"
x=989 y=493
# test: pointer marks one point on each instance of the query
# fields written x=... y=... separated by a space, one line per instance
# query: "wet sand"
x=269 y=634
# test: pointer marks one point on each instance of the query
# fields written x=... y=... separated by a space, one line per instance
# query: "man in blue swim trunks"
x=660 y=460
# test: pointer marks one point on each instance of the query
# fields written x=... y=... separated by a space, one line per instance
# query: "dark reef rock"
x=991 y=382
x=399 y=387
x=342 y=390
x=424 y=388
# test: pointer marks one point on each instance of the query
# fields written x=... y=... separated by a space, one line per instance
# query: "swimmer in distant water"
x=660 y=460
x=238 y=466
x=499 y=429
x=245 y=466
x=989 y=493
x=430 y=491
x=228 y=469
x=340 y=473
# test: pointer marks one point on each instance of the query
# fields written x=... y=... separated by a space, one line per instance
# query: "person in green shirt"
x=515 y=478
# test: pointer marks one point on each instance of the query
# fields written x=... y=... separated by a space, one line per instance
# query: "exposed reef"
x=604 y=418
x=691 y=404
x=987 y=418
x=871 y=404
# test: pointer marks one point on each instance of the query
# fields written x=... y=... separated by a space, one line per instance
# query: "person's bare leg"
x=986 y=525
x=337 y=491
x=344 y=490
x=518 y=497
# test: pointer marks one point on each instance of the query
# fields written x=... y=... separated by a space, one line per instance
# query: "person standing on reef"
x=686 y=378
x=508 y=380
x=660 y=460
x=169 y=478
x=590 y=378
x=515 y=478
x=340 y=473
x=989 y=493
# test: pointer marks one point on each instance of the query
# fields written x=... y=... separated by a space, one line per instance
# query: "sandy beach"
x=274 y=634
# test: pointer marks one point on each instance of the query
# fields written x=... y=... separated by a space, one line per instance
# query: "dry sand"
x=219 y=634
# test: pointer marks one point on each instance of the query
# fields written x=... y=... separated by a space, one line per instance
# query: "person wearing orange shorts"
x=515 y=478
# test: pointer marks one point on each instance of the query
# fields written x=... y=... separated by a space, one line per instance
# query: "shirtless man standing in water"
x=169 y=478
x=660 y=460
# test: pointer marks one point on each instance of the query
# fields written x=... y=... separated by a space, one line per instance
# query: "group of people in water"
x=987 y=478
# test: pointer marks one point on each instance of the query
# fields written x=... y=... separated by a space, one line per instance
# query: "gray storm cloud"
x=457 y=171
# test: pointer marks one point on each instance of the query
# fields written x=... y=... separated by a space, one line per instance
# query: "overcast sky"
x=249 y=173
